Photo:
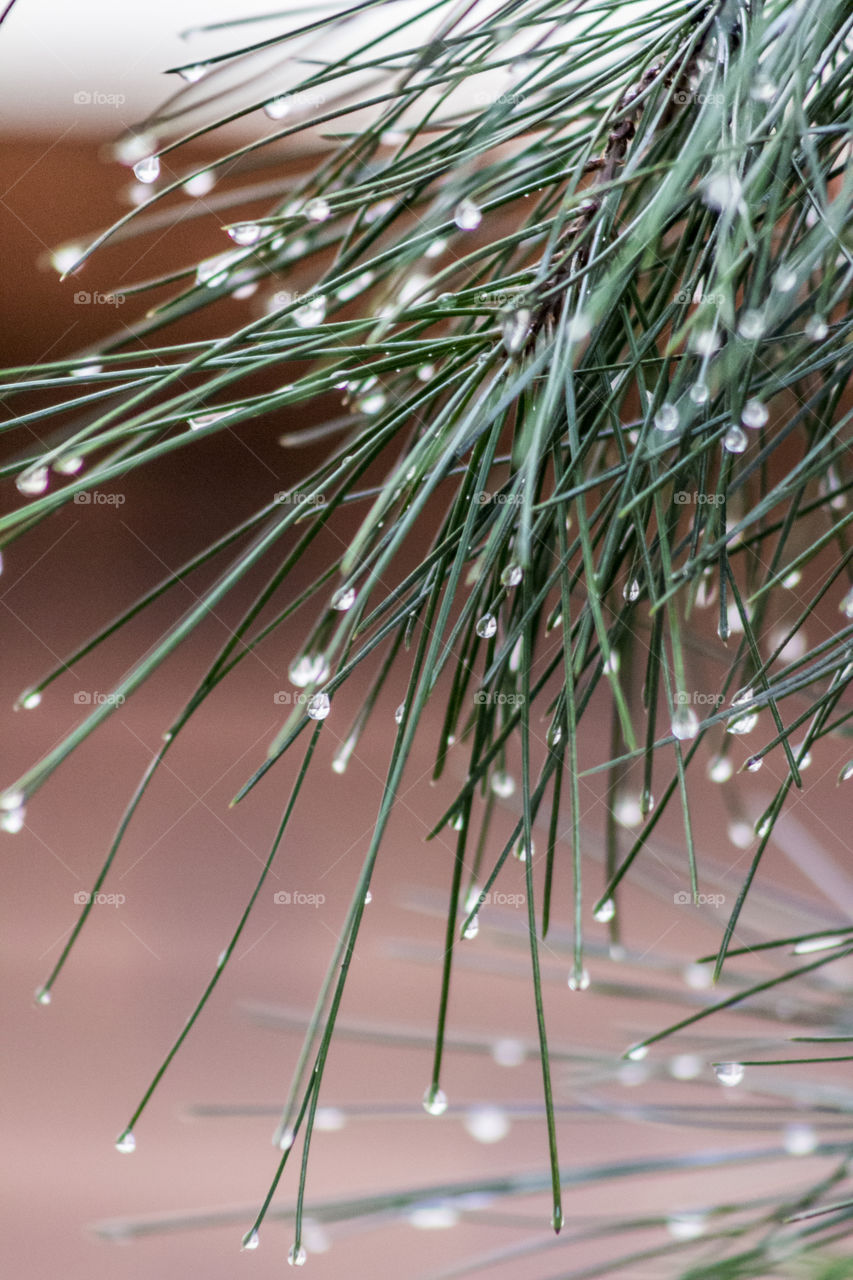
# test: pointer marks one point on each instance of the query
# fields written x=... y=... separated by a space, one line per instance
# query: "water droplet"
x=637 y=1053
x=521 y=851
x=284 y=1140
x=754 y=414
x=29 y=701
x=310 y=313
x=722 y=190
x=816 y=328
x=515 y=655
x=735 y=440
x=308 y=669
x=579 y=980
x=744 y=723
x=554 y=735
x=65 y=257
x=763 y=827
x=846 y=606
x=33 y=481
x=329 y=1119
x=803 y=758
x=41 y=995
x=487 y=1124
x=515 y=328
x=354 y=287
x=729 y=1073
x=667 y=418
x=610 y=666
x=435 y=1101
x=207 y=419
x=685 y=1066
x=751 y=324
x=699 y=976
x=195 y=73
x=12 y=820
x=810 y=945
x=69 y=465
x=606 y=911
x=472 y=928
x=699 y=393
x=344 y=599
x=686 y=1226
x=467 y=215
x=511 y=575
x=502 y=784
x=799 y=1139
x=435 y=249
x=126 y=1143
x=784 y=279
x=762 y=89
x=647 y=802
x=277 y=108
x=147 y=170
x=792 y=579
x=508 y=1052
x=847 y=772
x=200 y=184
x=12 y=800
x=245 y=233
x=317 y=210
x=720 y=769
x=425 y=373
x=631 y=590
x=754 y=763
x=487 y=626
x=251 y=1240
x=297 y=1257
x=457 y=822
x=415 y=287
x=740 y=834
x=704 y=341
x=319 y=706
x=400 y=712
x=627 y=811
x=372 y=404
x=685 y=722
x=557 y=1218
x=433 y=1217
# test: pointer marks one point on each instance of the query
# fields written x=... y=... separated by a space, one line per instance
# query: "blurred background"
x=74 y=78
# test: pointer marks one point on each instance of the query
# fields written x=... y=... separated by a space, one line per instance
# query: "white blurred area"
x=77 y=69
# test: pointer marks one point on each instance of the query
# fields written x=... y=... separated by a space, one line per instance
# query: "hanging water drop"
x=847 y=772
x=202 y=420
x=637 y=1053
x=515 y=328
x=579 y=980
x=200 y=184
x=699 y=393
x=502 y=784
x=754 y=414
x=41 y=996
x=33 y=481
x=66 y=257
x=487 y=1124
x=743 y=723
x=720 y=769
x=245 y=233
x=508 y=1052
x=729 y=1073
x=735 y=440
x=342 y=755
x=511 y=575
x=69 y=465
x=435 y=1101
x=754 y=763
x=799 y=1139
x=310 y=313
x=686 y=1226
x=425 y=373
x=740 y=834
x=846 y=606
x=522 y=850
x=667 y=418
x=784 y=279
x=722 y=190
x=685 y=722
x=277 y=108
x=251 y=1240
x=467 y=215
x=126 y=1143
x=12 y=820
x=605 y=911
x=751 y=324
x=344 y=599
x=631 y=590
x=487 y=626
x=308 y=669
x=147 y=170
x=285 y=1140
x=319 y=706
x=647 y=802
x=317 y=210
x=368 y=898
x=195 y=73
x=554 y=735
x=371 y=404
x=816 y=328
x=29 y=701
x=472 y=928
x=627 y=811
x=297 y=1257
x=399 y=713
